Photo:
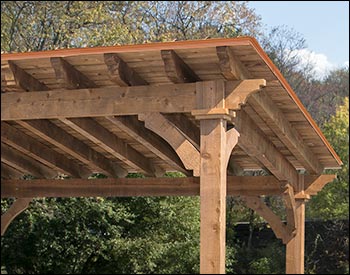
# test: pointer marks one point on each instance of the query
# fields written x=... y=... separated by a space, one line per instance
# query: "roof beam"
x=256 y=145
x=115 y=100
x=106 y=140
x=134 y=128
x=40 y=152
x=8 y=172
x=24 y=80
x=176 y=69
x=107 y=101
x=23 y=163
x=125 y=187
x=120 y=73
x=68 y=76
x=278 y=123
x=232 y=68
x=73 y=146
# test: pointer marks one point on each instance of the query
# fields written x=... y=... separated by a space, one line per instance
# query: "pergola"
x=211 y=109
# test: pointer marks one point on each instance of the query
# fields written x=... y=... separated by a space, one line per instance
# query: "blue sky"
x=324 y=25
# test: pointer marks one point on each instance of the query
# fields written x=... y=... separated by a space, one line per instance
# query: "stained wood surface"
x=104 y=75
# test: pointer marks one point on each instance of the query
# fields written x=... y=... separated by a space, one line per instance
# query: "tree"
x=44 y=25
x=333 y=201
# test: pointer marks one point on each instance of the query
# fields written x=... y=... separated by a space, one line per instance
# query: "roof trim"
x=188 y=44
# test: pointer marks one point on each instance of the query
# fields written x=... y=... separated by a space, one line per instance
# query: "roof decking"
x=116 y=145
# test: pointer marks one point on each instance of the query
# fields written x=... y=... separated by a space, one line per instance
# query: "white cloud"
x=346 y=63
x=319 y=61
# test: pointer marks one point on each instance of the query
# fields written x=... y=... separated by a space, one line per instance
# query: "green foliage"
x=101 y=235
x=43 y=25
x=333 y=201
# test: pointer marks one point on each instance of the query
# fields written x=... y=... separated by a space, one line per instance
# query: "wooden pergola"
x=211 y=109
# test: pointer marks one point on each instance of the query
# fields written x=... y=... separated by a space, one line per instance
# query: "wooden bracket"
x=186 y=151
x=15 y=209
x=289 y=200
x=285 y=232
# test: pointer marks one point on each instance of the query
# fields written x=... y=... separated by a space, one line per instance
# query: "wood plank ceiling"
x=117 y=145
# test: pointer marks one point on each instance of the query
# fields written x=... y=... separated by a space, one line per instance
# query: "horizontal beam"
x=95 y=102
x=115 y=100
x=127 y=187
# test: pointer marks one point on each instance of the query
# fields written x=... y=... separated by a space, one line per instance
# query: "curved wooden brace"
x=279 y=228
x=289 y=200
x=15 y=209
x=232 y=136
x=186 y=151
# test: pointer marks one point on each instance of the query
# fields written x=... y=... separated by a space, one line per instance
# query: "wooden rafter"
x=256 y=145
x=120 y=73
x=121 y=187
x=177 y=70
x=15 y=209
x=68 y=76
x=134 y=128
x=26 y=81
x=23 y=163
x=73 y=146
x=40 y=152
x=8 y=172
x=110 y=143
x=233 y=69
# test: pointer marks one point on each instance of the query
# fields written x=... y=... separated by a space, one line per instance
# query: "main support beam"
x=127 y=187
x=114 y=100
x=15 y=209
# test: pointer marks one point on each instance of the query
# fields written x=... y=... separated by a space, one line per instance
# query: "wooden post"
x=296 y=246
x=212 y=196
x=216 y=145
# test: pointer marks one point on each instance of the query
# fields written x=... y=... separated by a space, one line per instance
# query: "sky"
x=324 y=25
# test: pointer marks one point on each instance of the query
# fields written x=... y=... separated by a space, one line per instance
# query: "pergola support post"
x=295 y=247
x=216 y=144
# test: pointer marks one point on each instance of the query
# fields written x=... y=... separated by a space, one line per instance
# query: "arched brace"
x=232 y=136
x=281 y=230
x=289 y=200
x=186 y=151
x=18 y=206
